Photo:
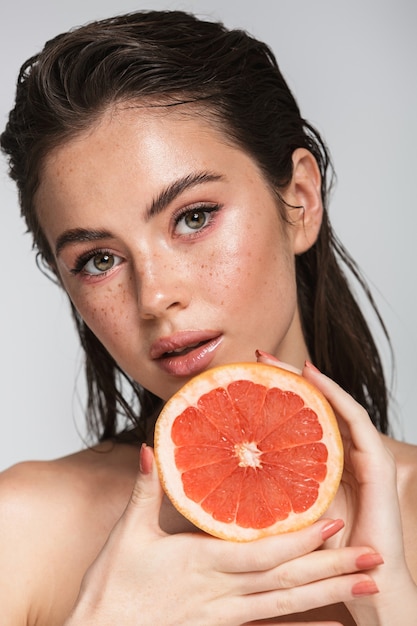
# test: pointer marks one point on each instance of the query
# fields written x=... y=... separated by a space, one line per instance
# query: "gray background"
x=352 y=65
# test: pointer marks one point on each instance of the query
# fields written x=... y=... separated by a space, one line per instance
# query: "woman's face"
x=170 y=244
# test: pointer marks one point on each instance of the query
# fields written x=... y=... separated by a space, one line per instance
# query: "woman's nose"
x=161 y=287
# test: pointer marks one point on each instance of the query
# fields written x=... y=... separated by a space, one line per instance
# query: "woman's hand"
x=145 y=577
x=368 y=503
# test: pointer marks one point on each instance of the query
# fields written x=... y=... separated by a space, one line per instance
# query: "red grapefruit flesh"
x=248 y=450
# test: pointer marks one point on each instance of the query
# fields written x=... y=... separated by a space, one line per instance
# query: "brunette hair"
x=167 y=58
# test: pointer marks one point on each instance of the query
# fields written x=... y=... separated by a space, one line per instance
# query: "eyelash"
x=210 y=209
x=83 y=259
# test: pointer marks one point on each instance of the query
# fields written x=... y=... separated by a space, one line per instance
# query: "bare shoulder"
x=54 y=518
x=405 y=455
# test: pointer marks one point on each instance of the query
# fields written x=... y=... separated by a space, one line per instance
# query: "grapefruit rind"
x=269 y=376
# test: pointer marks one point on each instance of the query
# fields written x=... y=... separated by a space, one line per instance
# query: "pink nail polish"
x=311 y=367
x=145 y=459
x=369 y=560
x=332 y=528
x=364 y=588
x=266 y=355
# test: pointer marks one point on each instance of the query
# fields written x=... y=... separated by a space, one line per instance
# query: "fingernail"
x=311 y=367
x=266 y=355
x=145 y=460
x=364 y=588
x=369 y=560
x=332 y=528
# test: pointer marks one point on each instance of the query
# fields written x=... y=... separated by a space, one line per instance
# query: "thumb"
x=146 y=499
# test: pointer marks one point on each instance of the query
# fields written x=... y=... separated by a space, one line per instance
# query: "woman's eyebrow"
x=175 y=188
x=158 y=204
x=77 y=235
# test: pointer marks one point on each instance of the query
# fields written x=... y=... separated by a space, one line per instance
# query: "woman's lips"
x=187 y=353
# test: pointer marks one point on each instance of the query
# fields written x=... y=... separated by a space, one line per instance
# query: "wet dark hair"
x=167 y=58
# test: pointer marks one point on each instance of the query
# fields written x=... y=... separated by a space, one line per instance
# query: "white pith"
x=248 y=454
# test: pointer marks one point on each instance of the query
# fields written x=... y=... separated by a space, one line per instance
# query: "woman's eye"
x=97 y=264
x=194 y=220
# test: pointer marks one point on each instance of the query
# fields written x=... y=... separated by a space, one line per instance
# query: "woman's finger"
x=143 y=508
x=269 y=552
x=283 y=602
x=269 y=359
x=320 y=564
x=363 y=433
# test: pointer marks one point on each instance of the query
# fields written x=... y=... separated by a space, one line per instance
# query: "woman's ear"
x=303 y=195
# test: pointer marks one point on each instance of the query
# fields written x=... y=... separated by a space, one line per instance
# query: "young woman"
x=172 y=186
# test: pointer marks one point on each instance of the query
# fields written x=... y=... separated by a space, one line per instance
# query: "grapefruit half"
x=248 y=450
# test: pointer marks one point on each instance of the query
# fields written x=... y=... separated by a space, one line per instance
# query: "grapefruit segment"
x=248 y=450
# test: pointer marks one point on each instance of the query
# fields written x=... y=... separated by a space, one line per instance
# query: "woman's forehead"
x=136 y=153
